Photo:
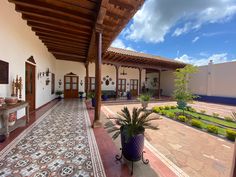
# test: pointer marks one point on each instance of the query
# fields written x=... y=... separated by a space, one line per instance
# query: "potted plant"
x=91 y=95
x=131 y=128
x=59 y=93
x=144 y=99
x=81 y=95
x=104 y=96
x=129 y=96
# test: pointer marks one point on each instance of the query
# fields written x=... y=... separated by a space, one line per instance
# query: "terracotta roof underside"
x=139 y=60
x=67 y=27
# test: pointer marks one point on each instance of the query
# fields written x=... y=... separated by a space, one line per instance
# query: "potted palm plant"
x=59 y=93
x=131 y=128
x=91 y=95
x=144 y=99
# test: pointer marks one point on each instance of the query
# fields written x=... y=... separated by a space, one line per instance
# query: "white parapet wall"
x=215 y=80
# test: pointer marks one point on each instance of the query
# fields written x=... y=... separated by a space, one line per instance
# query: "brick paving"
x=197 y=153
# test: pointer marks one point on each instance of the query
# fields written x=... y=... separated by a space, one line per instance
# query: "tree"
x=181 y=93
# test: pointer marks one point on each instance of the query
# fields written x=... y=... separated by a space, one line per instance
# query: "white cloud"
x=118 y=43
x=216 y=58
x=195 y=39
x=158 y=17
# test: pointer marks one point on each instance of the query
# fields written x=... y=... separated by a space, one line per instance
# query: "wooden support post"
x=98 y=90
x=117 y=79
x=159 y=84
x=233 y=168
x=86 y=79
x=140 y=80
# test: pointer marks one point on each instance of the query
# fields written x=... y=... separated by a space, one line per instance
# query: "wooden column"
x=117 y=79
x=159 y=84
x=233 y=168
x=140 y=80
x=98 y=90
x=86 y=79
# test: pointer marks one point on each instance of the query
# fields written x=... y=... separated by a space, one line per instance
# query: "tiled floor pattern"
x=61 y=143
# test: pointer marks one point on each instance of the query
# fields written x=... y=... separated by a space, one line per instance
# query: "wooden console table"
x=5 y=110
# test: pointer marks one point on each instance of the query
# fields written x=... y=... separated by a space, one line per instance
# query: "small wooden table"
x=5 y=110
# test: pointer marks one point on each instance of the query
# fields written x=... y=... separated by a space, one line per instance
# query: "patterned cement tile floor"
x=197 y=153
x=60 y=143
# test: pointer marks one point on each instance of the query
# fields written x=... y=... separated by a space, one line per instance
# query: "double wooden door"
x=134 y=87
x=71 y=86
x=122 y=85
x=30 y=85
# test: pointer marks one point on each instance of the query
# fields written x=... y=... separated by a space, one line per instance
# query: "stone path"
x=61 y=143
x=197 y=153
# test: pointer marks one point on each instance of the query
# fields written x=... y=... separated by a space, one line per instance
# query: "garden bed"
x=207 y=123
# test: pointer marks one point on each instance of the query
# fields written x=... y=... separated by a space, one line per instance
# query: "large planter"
x=144 y=104
x=104 y=97
x=133 y=148
x=93 y=102
x=129 y=96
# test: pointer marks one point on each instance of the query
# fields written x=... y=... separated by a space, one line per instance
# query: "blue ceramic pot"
x=133 y=148
x=104 y=97
x=93 y=102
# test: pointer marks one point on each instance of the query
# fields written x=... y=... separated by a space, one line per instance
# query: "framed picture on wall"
x=4 y=72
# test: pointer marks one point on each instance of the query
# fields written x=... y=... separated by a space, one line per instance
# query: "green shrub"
x=182 y=118
x=202 y=111
x=230 y=134
x=172 y=107
x=215 y=114
x=161 y=107
x=196 y=123
x=228 y=118
x=167 y=107
x=170 y=115
x=192 y=110
x=162 y=112
x=212 y=129
x=156 y=109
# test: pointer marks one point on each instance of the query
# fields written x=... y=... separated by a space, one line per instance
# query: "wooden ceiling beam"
x=67 y=54
x=56 y=24
x=122 y=4
x=59 y=32
x=73 y=50
x=42 y=33
x=52 y=43
x=39 y=13
x=69 y=59
x=61 y=41
x=42 y=6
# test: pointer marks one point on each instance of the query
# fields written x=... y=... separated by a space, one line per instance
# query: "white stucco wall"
x=64 y=67
x=215 y=80
x=17 y=44
x=167 y=82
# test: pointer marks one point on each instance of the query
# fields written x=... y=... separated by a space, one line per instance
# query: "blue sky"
x=194 y=31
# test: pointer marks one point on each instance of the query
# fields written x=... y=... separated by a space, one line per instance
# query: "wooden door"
x=71 y=88
x=91 y=84
x=134 y=87
x=30 y=85
x=122 y=85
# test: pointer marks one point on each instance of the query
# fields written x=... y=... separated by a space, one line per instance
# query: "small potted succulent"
x=144 y=99
x=91 y=95
x=59 y=93
x=131 y=128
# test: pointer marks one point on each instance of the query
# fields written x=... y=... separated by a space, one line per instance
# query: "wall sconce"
x=59 y=83
x=81 y=82
x=47 y=81
x=41 y=74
